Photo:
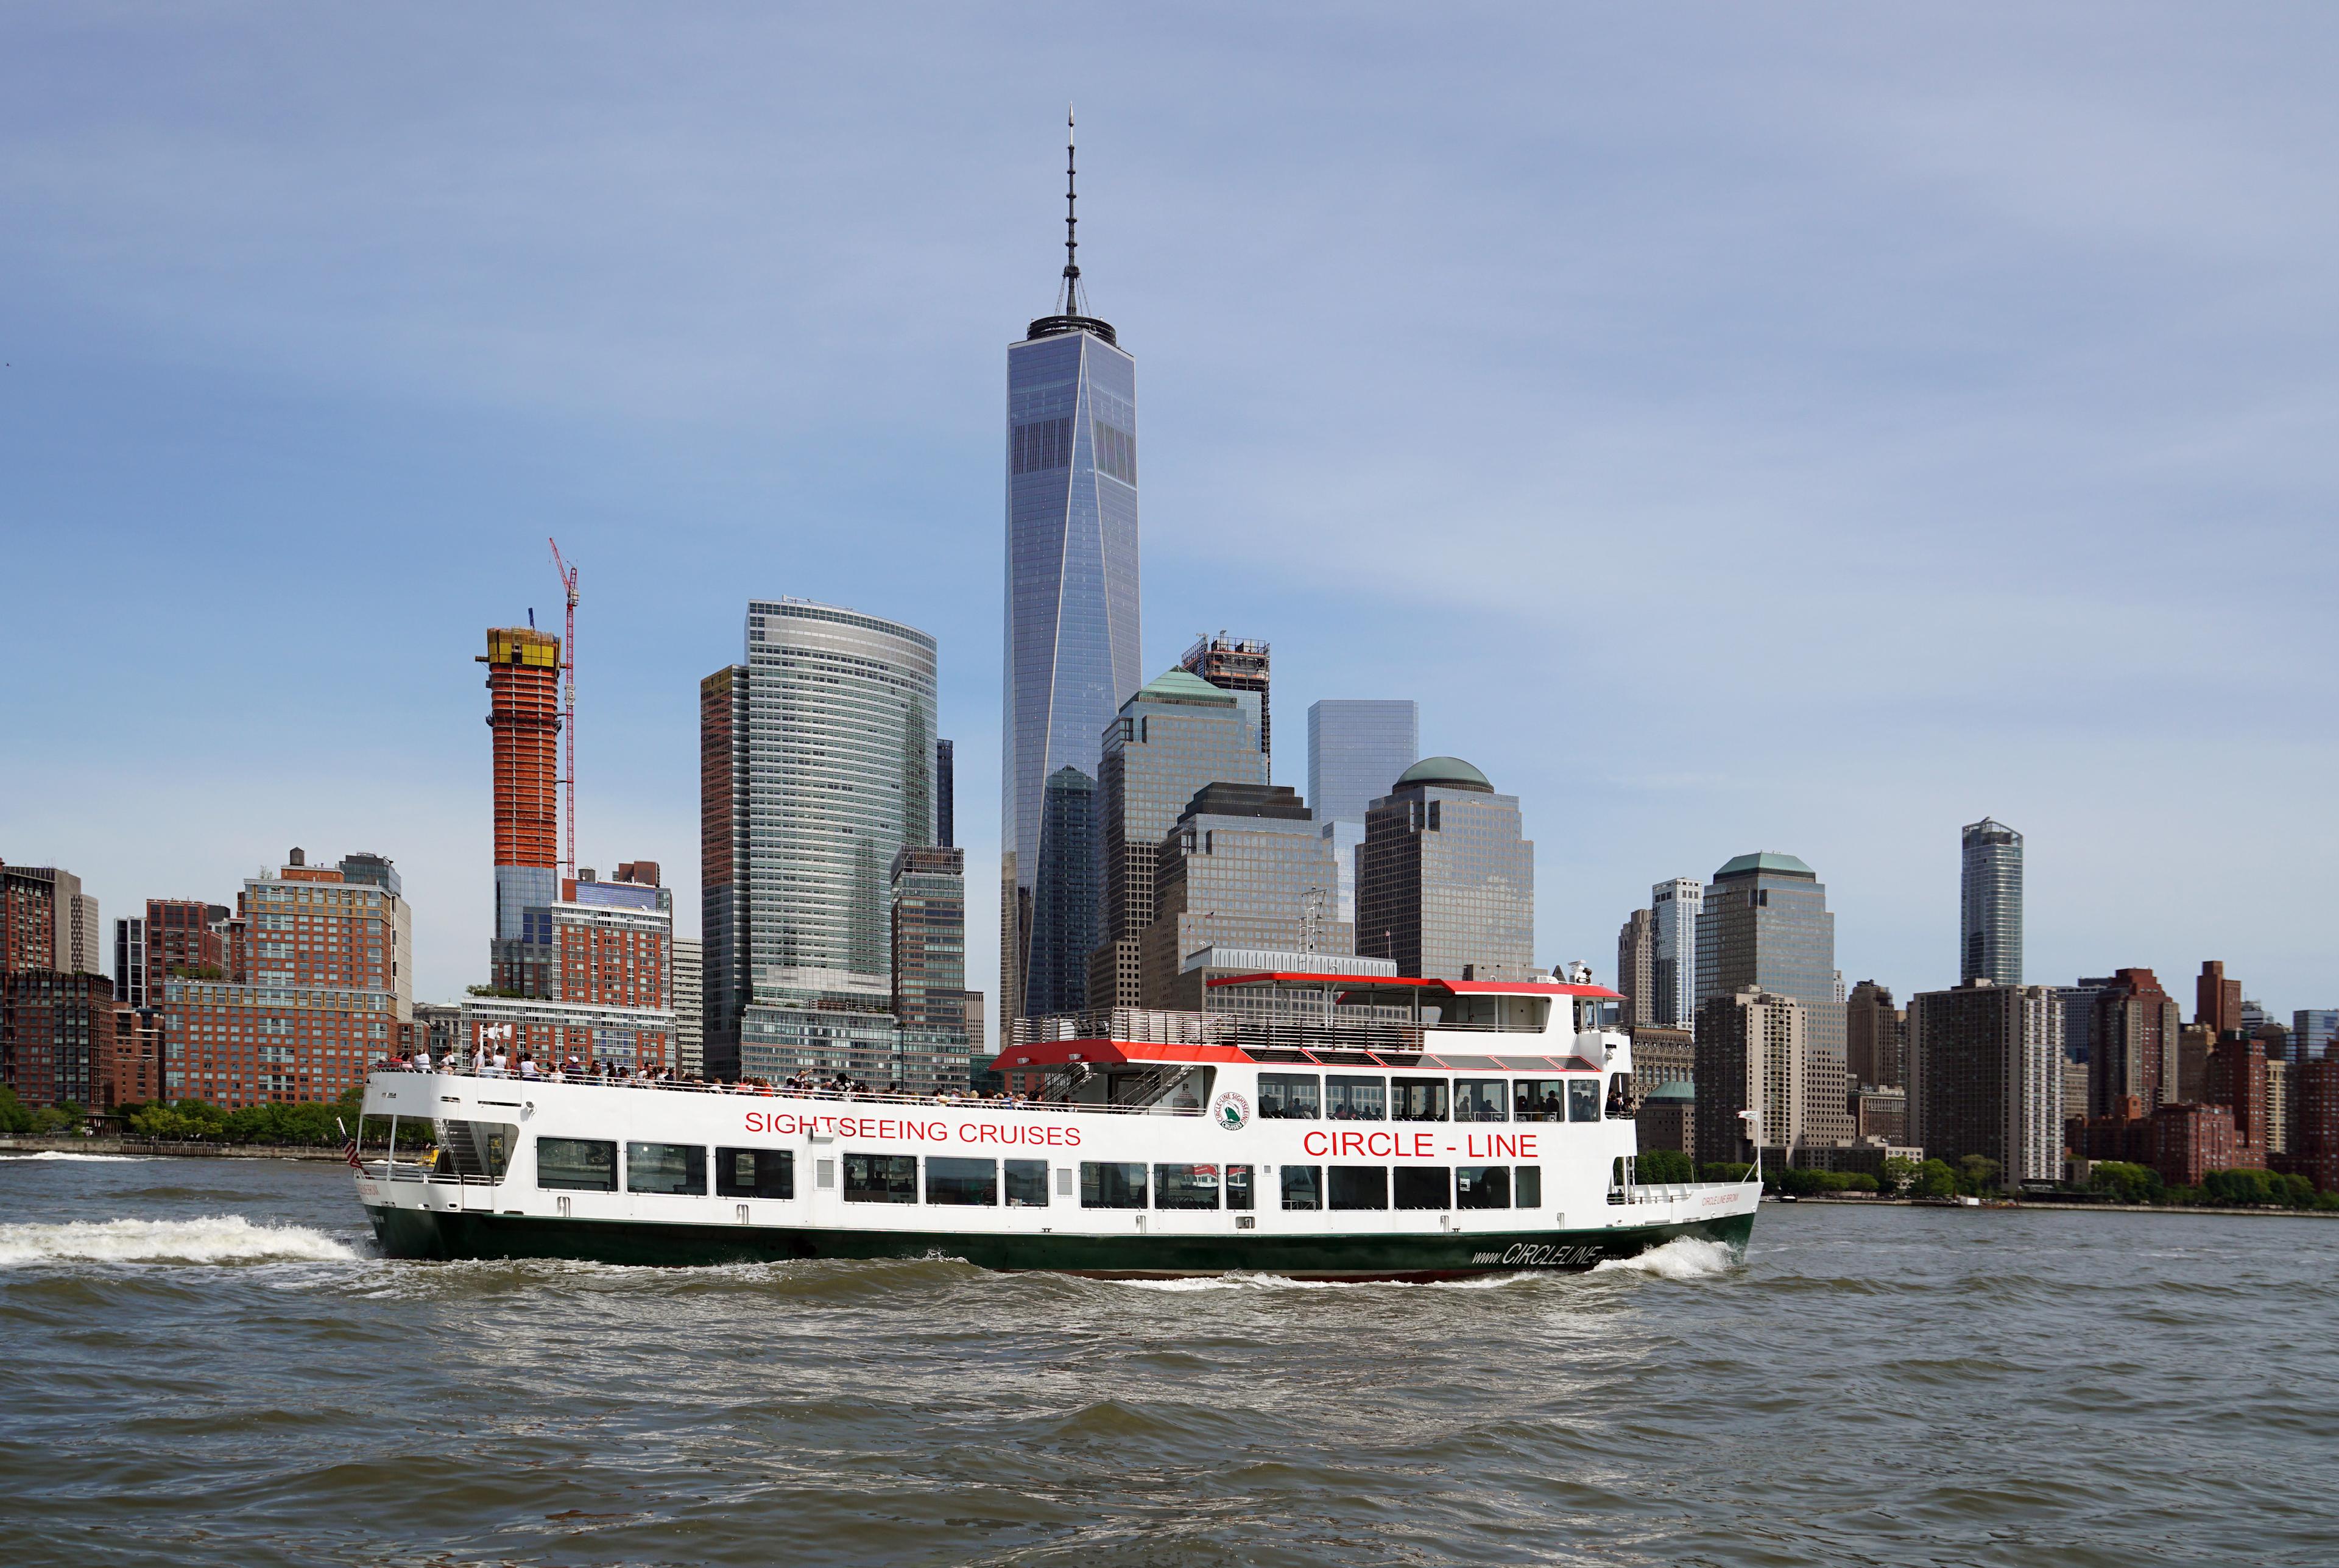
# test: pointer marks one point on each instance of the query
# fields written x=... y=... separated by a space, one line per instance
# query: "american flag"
x=349 y=1145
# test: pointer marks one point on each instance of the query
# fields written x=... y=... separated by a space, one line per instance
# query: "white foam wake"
x=215 y=1238
x=62 y=1154
x=1683 y=1257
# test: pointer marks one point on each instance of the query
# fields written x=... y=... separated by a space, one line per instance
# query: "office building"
x=46 y=921
x=816 y=769
x=687 y=993
x=1636 y=968
x=2079 y=1004
x=1751 y=1053
x=1765 y=923
x=1239 y=667
x=1174 y=736
x=1876 y=1037
x=1985 y=1077
x=318 y=984
x=2216 y=1000
x=1674 y=910
x=2311 y=1030
x=437 y=1027
x=1445 y=877
x=1879 y=1116
x=1666 y=1118
x=524 y=717
x=1242 y=868
x=1991 y=904
x=2132 y=1048
x=1071 y=624
x=945 y=795
x=1662 y=1054
x=930 y=1001
x=56 y=1037
x=1356 y=750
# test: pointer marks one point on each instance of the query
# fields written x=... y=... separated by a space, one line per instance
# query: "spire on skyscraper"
x=1071 y=300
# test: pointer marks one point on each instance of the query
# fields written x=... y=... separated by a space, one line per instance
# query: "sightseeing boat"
x=1312 y=1126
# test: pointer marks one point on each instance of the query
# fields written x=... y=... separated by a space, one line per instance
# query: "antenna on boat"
x=1754 y=1121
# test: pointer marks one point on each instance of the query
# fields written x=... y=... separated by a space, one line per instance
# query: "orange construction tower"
x=524 y=716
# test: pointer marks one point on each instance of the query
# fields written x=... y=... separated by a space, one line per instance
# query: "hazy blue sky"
x=1742 y=428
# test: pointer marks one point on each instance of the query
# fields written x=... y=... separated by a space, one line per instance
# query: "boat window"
x=1303 y=1187
x=1482 y=1187
x=1027 y=1184
x=1237 y=1187
x=1109 y=1185
x=1418 y=1100
x=1289 y=1097
x=755 y=1173
x=1185 y=1187
x=1482 y=1099
x=1537 y=1100
x=1424 y=1187
x=961 y=1181
x=880 y=1178
x=480 y=1147
x=1356 y=1186
x=1582 y=1099
x=576 y=1165
x=678 y=1168
x=1526 y=1186
x=1351 y=1098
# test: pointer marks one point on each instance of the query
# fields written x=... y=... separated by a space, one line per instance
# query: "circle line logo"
x=1231 y=1111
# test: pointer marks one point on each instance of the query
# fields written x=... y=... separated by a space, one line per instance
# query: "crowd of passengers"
x=485 y=1063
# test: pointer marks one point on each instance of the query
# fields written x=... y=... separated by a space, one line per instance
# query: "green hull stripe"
x=425 y=1234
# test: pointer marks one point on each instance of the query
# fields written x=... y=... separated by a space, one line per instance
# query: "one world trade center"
x=1071 y=643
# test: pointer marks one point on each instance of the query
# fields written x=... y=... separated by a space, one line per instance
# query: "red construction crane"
x=569 y=717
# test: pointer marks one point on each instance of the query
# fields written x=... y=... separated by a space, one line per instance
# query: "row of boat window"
x=590 y=1165
x=1356 y=1097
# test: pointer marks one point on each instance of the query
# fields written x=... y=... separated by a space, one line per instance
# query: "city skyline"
x=358 y=474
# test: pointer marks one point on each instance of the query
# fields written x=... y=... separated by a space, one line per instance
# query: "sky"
x=1805 y=429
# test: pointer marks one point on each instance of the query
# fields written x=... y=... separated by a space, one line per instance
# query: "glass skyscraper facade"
x=1356 y=750
x=1072 y=637
x=1991 y=904
x=1445 y=877
x=817 y=762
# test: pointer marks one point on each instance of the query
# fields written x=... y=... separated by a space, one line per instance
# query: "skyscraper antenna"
x=1073 y=303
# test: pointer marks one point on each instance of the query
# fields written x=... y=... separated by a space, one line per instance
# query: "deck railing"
x=930 y=1101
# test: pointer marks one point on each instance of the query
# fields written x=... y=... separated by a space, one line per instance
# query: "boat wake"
x=215 y=1238
x=62 y=1154
x=1683 y=1257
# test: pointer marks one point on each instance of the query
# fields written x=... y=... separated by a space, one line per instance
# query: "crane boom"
x=568 y=575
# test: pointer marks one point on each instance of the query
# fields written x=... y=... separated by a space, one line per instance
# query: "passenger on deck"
x=528 y=1066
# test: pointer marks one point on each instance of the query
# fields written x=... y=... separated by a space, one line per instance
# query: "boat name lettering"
x=907 y=1130
x=1340 y=1143
x=1529 y=1255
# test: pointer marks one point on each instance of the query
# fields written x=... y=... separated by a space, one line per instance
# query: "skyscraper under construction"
x=524 y=715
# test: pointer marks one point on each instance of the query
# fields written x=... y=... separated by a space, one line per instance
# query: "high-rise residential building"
x=2194 y=1042
x=1991 y=904
x=2238 y=1080
x=1985 y=1077
x=604 y=988
x=182 y=939
x=1072 y=623
x=1172 y=738
x=2255 y=1016
x=2311 y=1032
x=687 y=993
x=56 y=1037
x=1876 y=1037
x=1356 y=750
x=47 y=923
x=1752 y=1054
x=524 y=717
x=140 y=1051
x=2280 y=1109
x=722 y=819
x=816 y=769
x=317 y=982
x=2132 y=1045
x=945 y=795
x=1766 y=923
x=1242 y=868
x=1446 y=878
x=1673 y=909
x=1636 y=968
x=930 y=995
x=2315 y=1123
x=1240 y=666
x=2216 y=1000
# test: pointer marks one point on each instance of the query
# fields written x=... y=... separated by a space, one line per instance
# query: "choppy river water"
x=201 y=1361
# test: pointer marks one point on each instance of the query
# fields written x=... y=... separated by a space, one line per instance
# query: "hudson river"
x=200 y=1361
